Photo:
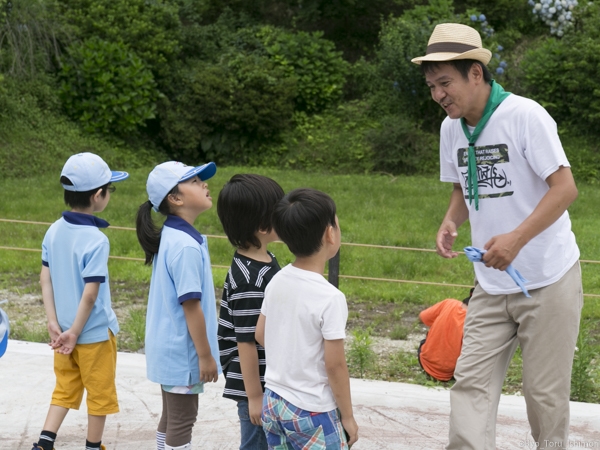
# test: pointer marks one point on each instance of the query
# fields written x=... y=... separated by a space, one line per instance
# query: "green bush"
x=223 y=111
x=561 y=73
x=107 y=88
x=503 y=15
x=149 y=28
x=230 y=33
x=401 y=147
x=319 y=69
x=400 y=87
x=334 y=141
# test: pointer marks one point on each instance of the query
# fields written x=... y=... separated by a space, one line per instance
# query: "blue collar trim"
x=76 y=218
x=178 y=223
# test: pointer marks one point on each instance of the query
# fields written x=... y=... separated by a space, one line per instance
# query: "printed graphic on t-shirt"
x=490 y=174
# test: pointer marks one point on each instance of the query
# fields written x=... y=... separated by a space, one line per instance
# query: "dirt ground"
x=28 y=319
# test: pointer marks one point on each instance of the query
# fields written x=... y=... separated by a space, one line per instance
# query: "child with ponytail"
x=181 y=322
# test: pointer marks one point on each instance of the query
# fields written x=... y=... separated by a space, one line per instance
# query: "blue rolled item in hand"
x=476 y=255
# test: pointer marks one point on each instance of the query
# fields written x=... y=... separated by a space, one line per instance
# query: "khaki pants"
x=546 y=326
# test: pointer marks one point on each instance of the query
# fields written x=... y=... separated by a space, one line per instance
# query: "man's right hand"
x=446 y=236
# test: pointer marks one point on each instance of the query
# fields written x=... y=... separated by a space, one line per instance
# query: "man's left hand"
x=502 y=250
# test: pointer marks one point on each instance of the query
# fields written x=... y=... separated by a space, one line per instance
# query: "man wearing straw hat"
x=512 y=181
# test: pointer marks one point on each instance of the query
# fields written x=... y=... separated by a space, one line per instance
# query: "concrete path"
x=393 y=416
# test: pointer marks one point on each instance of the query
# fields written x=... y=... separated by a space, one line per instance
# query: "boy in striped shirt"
x=244 y=207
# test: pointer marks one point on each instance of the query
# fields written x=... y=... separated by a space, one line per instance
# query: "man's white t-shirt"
x=516 y=151
x=302 y=310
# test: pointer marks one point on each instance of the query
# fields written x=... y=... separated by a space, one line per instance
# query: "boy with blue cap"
x=76 y=295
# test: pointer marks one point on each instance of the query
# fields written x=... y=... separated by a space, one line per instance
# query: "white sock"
x=187 y=446
x=160 y=440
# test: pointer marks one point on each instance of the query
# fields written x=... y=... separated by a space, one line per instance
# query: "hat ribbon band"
x=449 y=47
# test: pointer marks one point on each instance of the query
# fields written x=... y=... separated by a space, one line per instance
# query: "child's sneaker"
x=37 y=447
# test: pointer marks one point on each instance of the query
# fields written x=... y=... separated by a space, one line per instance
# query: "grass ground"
x=373 y=209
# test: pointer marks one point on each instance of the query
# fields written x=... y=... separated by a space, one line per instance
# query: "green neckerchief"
x=497 y=96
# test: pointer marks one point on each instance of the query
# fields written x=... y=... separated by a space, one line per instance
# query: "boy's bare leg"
x=95 y=428
x=55 y=417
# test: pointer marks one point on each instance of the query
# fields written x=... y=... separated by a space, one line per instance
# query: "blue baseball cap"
x=88 y=171
x=167 y=175
x=4 y=331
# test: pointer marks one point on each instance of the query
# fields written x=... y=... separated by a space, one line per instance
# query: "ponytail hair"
x=148 y=233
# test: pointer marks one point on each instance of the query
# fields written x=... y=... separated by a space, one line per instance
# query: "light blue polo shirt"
x=76 y=252
x=181 y=271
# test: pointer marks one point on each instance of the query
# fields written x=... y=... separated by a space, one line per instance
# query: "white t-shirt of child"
x=516 y=151
x=302 y=310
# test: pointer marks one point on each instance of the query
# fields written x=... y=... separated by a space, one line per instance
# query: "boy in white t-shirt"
x=307 y=401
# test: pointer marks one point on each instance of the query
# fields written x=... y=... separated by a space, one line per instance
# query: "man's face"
x=452 y=91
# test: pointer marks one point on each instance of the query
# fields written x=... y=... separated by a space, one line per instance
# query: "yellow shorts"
x=91 y=367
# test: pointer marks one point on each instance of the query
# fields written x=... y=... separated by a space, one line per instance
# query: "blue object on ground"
x=4 y=331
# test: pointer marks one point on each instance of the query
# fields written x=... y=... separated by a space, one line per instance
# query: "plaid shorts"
x=290 y=428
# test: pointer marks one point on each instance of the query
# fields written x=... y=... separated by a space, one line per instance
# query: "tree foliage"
x=32 y=35
x=561 y=73
x=107 y=88
x=148 y=28
x=223 y=111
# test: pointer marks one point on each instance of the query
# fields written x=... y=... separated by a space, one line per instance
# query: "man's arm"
x=456 y=215
x=251 y=377
x=48 y=298
x=65 y=343
x=196 y=325
x=339 y=380
x=504 y=248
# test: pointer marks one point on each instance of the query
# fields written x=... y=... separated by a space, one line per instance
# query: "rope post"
x=334 y=270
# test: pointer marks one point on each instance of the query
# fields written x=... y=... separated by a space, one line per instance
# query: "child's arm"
x=251 y=377
x=65 y=343
x=48 y=299
x=196 y=325
x=339 y=380
x=429 y=315
x=259 y=332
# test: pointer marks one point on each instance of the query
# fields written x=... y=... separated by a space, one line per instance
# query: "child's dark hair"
x=301 y=218
x=468 y=299
x=462 y=65
x=80 y=199
x=148 y=233
x=245 y=206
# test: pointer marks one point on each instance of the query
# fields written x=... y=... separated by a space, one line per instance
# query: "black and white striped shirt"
x=242 y=299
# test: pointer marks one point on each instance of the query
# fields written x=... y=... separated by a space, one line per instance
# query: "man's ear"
x=476 y=72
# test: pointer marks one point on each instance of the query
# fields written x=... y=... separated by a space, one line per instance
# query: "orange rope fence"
x=350 y=277
x=349 y=244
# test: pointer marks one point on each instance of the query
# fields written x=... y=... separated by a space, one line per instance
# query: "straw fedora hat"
x=450 y=41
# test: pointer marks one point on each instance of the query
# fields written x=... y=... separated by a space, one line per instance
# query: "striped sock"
x=160 y=440
x=92 y=445
x=47 y=439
